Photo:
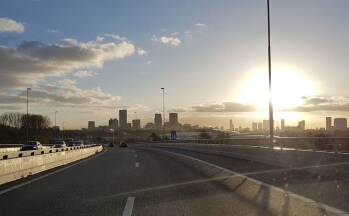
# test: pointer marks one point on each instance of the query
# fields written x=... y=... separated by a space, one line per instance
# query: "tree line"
x=14 y=125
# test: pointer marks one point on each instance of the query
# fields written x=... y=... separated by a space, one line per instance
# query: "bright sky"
x=88 y=59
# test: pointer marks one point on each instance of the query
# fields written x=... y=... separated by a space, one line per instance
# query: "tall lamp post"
x=63 y=131
x=271 y=118
x=28 y=89
x=55 y=123
x=163 y=109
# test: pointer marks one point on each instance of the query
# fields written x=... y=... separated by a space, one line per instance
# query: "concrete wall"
x=16 y=168
x=322 y=163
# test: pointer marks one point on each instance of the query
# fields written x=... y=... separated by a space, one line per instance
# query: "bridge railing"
x=330 y=144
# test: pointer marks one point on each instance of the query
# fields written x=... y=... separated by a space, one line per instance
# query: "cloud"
x=67 y=82
x=117 y=37
x=83 y=74
x=149 y=62
x=52 y=31
x=200 y=25
x=173 y=41
x=142 y=52
x=9 y=25
x=317 y=103
x=32 y=61
x=100 y=39
x=216 y=107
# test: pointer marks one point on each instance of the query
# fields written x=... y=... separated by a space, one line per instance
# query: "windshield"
x=174 y=107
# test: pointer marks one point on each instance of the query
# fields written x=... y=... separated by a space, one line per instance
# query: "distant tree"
x=154 y=137
x=204 y=135
x=222 y=135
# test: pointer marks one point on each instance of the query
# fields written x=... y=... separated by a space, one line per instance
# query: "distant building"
x=173 y=122
x=340 y=124
x=260 y=126
x=329 y=124
x=282 y=124
x=149 y=125
x=231 y=125
x=136 y=123
x=158 y=120
x=91 y=125
x=254 y=126
x=301 y=125
x=128 y=125
x=187 y=127
x=123 y=119
x=113 y=123
x=266 y=125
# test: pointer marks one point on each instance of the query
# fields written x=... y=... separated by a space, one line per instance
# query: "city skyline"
x=89 y=61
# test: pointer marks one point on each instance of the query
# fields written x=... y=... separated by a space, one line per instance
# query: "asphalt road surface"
x=130 y=181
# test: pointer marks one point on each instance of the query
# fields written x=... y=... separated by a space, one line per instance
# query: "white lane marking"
x=304 y=199
x=129 y=206
x=44 y=176
x=137 y=164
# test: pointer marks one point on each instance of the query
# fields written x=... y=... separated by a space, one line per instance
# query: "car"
x=123 y=144
x=79 y=143
x=59 y=144
x=31 y=145
x=111 y=145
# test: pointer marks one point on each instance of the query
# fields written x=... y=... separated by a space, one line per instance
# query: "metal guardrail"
x=330 y=144
x=18 y=154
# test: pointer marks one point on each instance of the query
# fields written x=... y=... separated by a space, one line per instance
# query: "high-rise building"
x=254 y=126
x=266 y=125
x=173 y=118
x=158 y=120
x=301 y=125
x=113 y=123
x=173 y=122
x=282 y=124
x=329 y=124
x=231 y=125
x=123 y=119
x=340 y=124
x=260 y=126
x=91 y=125
x=136 y=123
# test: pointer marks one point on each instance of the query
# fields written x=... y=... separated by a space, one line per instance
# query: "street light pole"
x=63 y=131
x=28 y=115
x=55 y=123
x=271 y=118
x=163 y=109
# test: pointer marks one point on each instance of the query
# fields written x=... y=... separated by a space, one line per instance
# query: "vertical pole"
x=28 y=115
x=271 y=119
x=163 y=109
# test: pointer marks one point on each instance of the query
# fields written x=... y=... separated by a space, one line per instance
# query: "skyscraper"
x=123 y=119
x=282 y=124
x=158 y=120
x=231 y=125
x=91 y=125
x=173 y=118
x=328 y=123
x=113 y=123
x=340 y=124
x=136 y=123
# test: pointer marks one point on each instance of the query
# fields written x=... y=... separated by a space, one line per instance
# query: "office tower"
x=301 y=125
x=328 y=123
x=340 y=124
x=282 y=124
x=123 y=119
x=231 y=125
x=254 y=126
x=91 y=125
x=136 y=123
x=266 y=126
x=260 y=126
x=173 y=118
x=113 y=123
x=158 y=120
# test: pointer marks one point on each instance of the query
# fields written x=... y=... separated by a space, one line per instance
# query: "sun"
x=288 y=87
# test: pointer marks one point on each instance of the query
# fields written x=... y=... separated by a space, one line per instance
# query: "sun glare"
x=288 y=87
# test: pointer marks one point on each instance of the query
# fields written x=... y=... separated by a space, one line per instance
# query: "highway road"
x=139 y=181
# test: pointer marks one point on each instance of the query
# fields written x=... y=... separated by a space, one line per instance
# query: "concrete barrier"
x=20 y=167
x=321 y=163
